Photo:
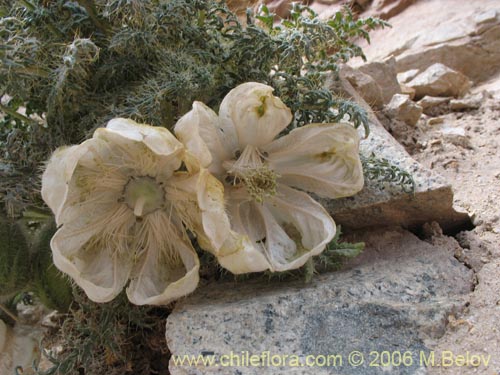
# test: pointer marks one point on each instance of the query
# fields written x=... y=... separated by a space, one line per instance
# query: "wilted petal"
x=243 y=250
x=58 y=173
x=167 y=265
x=144 y=149
x=200 y=132
x=320 y=158
x=158 y=139
x=296 y=227
x=95 y=252
x=215 y=222
x=252 y=114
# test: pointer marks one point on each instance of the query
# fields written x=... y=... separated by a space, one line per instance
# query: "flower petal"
x=58 y=173
x=158 y=139
x=296 y=226
x=144 y=149
x=320 y=158
x=94 y=251
x=199 y=131
x=242 y=250
x=252 y=114
x=167 y=269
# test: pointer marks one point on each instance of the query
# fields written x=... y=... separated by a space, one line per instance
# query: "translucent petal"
x=167 y=266
x=253 y=115
x=95 y=251
x=194 y=200
x=296 y=227
x=142 y=149
x=320 y=158
x=243 y=250
x=58 y=173
x=200 y=132
x=158 y=139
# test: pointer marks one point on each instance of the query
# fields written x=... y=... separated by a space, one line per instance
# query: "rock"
x=492 y=87
x=239 y=7
x=435 y=106
x=439 y=80
x=407 y=90
x=407 y=76
x=435 y=121
x=366 y=86
x=386 y=9
x=471 y=102
x=382 y=204
x=384 y=73
x=396 y=296
x=279 y=7
x=456 y=136
x=465 y=37
x=401 y=107
x=327 y=9
x=477 y=331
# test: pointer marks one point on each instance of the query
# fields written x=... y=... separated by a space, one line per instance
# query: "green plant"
x=114 y=338
x=382 y=170
x=26 y=262
x=75 y=64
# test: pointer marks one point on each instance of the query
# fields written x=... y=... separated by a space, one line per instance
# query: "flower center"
x=250 y=171
x=143 y=195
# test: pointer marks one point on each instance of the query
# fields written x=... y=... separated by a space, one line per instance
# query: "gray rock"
x=439 y=80
x=435 y=106
x=407 y=76
x=383 y=204
x=366 y=86
x=402 y=108
x=384 y=73
x=395 y=297
x=456 y=136
x=465 y=38
x=470 y=102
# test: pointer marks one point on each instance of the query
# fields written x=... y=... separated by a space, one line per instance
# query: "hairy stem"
x=16 y=114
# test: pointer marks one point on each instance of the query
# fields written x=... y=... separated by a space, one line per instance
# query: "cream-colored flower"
x=121 y=201
x=274 y=226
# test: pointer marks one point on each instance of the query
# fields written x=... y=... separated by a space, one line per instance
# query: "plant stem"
x=16 y=114
x=91 y=11
x=28 y=5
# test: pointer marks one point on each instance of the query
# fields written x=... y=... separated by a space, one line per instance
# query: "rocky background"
x=429 y=278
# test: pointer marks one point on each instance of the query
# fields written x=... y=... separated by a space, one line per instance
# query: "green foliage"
x=382 y=170
x=14 y=259
x=337 y=249
x=306 y=49
x=79 y=63
x=113 y=338
x=49 y=284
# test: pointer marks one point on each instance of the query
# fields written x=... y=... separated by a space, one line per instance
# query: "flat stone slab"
x=384 y=204
x=395 y=297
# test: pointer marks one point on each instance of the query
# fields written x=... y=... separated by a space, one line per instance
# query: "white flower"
x=121 y=201
x=274 y=226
